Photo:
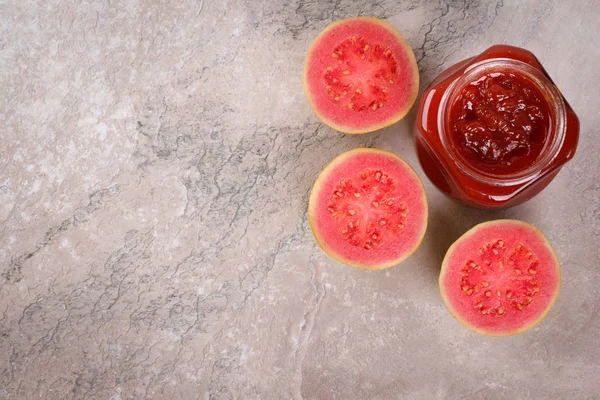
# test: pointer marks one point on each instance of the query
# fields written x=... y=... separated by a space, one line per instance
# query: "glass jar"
x=464 y=166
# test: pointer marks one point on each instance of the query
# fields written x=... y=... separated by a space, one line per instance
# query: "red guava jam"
x=493 y=130
x=500 y=121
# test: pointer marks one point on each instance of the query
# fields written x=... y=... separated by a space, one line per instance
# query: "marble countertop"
x=155 y=165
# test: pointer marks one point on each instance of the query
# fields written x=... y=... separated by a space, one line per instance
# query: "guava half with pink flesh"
x=360 y=75
x=500 y=278
x=368 y=209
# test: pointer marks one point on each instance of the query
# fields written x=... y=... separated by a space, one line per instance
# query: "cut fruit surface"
x=360 y=75
x=500 y=278
x=368 y=209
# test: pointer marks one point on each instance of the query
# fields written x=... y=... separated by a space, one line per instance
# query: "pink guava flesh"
x=361 y=75
x=500 y=278
x=368 y=209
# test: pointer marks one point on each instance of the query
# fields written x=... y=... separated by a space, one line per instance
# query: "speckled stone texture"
x=155 y=165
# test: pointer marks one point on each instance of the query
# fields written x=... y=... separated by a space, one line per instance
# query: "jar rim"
x=557 y=109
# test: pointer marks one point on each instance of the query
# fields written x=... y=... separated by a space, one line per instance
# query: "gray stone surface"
x=155 y=164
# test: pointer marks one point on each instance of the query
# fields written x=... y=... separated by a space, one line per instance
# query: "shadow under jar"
x=494 y=130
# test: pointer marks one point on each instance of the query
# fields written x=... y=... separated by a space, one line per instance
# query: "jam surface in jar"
x=499 y=122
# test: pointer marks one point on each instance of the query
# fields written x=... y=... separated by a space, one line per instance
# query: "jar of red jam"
x=494 y=130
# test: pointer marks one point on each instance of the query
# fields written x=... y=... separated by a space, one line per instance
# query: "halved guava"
x=500 y=278
x=360 y=75
x=368 y=209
